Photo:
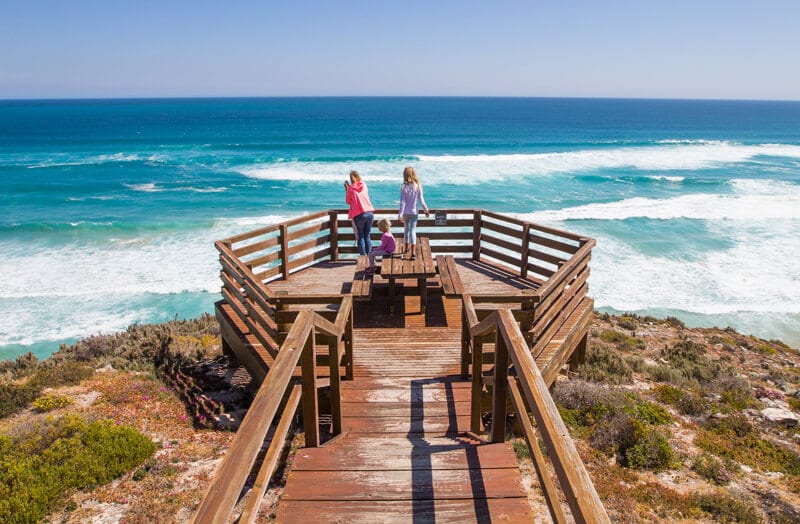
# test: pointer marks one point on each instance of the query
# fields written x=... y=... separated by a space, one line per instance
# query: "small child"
x=387 y=246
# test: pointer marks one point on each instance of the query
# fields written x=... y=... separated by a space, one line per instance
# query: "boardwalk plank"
x=511 y=510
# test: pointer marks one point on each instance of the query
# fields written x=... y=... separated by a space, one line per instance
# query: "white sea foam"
x=751 y=200
x=473 y=169
x=64 y=160
x=754 y=271
x=149 y=187
x=84 y=288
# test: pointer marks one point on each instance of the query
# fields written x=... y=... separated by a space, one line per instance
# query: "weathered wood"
x=221 y=496
x=284 y=253
x=381 y=403
x=574 y=479
x=270 y=461
x=539 y=462
x=310 y=399
x=512 y=511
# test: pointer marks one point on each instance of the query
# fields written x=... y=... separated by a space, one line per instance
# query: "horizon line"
x=266 y=97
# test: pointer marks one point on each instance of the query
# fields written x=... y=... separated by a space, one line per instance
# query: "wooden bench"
x=448 y=272
x=421 y=268
x=362 y=281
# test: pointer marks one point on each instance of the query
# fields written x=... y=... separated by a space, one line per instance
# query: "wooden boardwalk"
x=404 y=455
x=507 y=306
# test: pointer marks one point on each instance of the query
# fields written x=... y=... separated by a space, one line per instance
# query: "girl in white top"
x=410 y=194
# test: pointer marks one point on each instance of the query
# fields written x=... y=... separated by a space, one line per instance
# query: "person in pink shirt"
x=361 y=211
x=387 y=246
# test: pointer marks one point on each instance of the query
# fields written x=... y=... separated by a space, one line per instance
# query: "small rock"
x=780 y=416
x=745 y=468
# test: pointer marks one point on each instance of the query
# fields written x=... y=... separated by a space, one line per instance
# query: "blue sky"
x=670 y=49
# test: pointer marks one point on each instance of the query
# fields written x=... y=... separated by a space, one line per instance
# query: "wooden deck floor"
x=404 y=456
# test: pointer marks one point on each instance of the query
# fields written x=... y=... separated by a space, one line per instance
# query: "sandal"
x=412 y=257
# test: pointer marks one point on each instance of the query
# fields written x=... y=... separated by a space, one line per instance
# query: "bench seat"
x=362 y=281
x=448 y=272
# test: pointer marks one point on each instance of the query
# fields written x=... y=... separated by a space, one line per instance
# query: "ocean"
x=110 y=207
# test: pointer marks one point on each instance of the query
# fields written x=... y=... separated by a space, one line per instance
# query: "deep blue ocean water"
x=110 y=207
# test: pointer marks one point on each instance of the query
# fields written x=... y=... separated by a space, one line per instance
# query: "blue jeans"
x=410 y=229
x=363 y=224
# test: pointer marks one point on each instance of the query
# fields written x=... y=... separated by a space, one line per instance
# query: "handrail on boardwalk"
x=511 y=349
x=297 y=348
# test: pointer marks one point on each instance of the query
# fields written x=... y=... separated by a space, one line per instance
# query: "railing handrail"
x=223 y=492
x=511 y=349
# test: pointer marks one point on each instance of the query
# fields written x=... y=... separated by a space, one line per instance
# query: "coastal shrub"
x=73 y=454
x=726 y=508
x=735 y=438
x=61 y=374
x=22 y=366
x=735 y=392
x=147 y=344
x=675 y=322
x=605 y=365
x=668 y=374
x=51 y=402
x=616 y=422
x=621 y=340
x=14 y=397
x=711 y=468
x=690 y=359
x=651 y=450
x=636 y=363
x=687 y=402
x=628 y=321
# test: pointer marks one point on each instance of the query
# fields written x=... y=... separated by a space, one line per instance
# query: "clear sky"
x=603 y=48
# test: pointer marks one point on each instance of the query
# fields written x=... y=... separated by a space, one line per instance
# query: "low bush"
x=711 y=468
x=690 y=359
x=605 y=365
x=687 y=402
x=616 y=423
x=621 y=340
x=735 y=392
x=726 y=508
x=51 y=402
x=735 y=438
x=14 y=397
x=71 y=454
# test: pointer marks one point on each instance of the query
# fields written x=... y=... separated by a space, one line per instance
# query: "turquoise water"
x=110 y=207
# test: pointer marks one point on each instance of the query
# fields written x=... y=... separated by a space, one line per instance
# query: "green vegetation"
x=51 y=402
x=621 y=340
x=39 y=466
x=617 y=423
x=687 y=402
x=16 y=396
x=713 y=469
x=735 y=438
x=605 y=365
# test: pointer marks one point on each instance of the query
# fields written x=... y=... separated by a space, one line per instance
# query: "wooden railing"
x=534 y=251
x=297 y=348
x=528 y=385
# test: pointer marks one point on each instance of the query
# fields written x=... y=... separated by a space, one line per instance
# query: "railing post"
x=465 y=342
x=334 y=237
x=476 y=235
x=476 y=424
x=284 y=236
x=348 y=347
x=310 y=401
x=500 y=389
x=336 y=395
x=523 y=268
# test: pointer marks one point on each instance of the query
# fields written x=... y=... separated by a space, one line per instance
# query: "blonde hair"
x=410 y=176
x=354 y=177
x=384 y=224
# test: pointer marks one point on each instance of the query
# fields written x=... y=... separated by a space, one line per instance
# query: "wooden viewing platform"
x=417 y=397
